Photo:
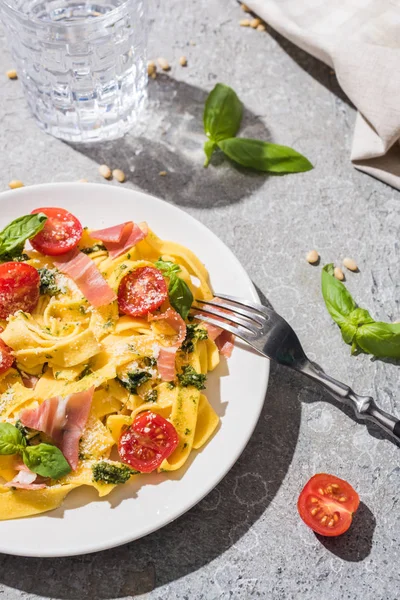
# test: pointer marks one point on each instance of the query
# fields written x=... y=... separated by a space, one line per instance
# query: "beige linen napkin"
x=360 y=40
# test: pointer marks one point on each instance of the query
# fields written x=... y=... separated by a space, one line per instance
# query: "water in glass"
x=82 y=64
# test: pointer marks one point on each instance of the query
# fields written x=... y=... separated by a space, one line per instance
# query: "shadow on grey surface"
x=195 y=539
x=171 y=138
x=313 y=392
x=356 y=544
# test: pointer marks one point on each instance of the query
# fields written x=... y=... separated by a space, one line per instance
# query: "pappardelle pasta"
x=102 y=368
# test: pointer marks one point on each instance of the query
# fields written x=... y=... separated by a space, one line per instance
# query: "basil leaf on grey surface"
x=338 y=300
x=15 y=234
x=380 y=339
x=46 y=460
x=180 y=295
x=264 y=156
x=357 y=326
x=209 y=148
x=11 y=439
x=222 y=114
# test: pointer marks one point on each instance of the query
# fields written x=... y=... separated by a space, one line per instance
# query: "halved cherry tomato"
x=6 y=358
x=19 y=288
x=60 y=234
x=327 y=504
x=142 y=291
x=147 y=442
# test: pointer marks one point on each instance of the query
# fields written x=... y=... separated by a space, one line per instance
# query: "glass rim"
x=67 y=24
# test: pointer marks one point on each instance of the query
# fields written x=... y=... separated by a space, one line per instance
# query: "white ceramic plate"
x=236 y=390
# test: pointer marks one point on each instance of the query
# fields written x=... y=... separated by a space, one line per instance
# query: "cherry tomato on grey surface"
x=19 y=288
x=147 y=442
x=61 y=232
x=327 y=503
x=142 y=291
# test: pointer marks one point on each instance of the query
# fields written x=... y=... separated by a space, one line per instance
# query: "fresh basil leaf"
x=264 y=156
x=348 y=331
x=180 y=296
x=46 y=460
x=11 y=439
x=15 y=234
x=380 y=339
x=209 y=147
x=360 y=316
x=222 y=113
x=167 y=267
x=338 y=300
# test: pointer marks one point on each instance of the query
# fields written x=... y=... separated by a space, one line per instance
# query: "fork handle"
x=364 y=407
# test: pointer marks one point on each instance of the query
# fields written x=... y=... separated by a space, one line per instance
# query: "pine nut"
x=244 y=23
x=254 y=23
x=82 y=181
x=183 y=61
x=15 y=183
x=245 y=8
x=12 y=74
x=338 y=273
x=119 y=175
x=105 y=171
x=261 y=27
x=151 y=67
x=162 y=173
x=164 y=64
x=350 y=264
x=312 y=257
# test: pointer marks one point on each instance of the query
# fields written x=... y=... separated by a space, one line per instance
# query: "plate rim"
x=119 y=540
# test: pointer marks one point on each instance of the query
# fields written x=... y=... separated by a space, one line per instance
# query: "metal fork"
x=269 y=333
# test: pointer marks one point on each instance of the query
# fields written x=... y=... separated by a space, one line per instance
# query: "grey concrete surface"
x=245 y=539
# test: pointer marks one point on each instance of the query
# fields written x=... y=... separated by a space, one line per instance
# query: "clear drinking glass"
x=82 y=64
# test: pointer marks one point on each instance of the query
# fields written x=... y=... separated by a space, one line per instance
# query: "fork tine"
x=263 y=310
x=239 y=331
x=233 y=318
x=241 y=310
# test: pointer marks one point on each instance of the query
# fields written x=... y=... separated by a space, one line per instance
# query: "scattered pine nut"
x=192 y=43
x=312 y=257
x=338 y=273
x=261 y=27
x=151 y=68
x=164 y=64
x=12 y=74
x=82 y=181
x=245 y=8
x=105 y=171
x=244 y=23
x=162 y=173
x=15 y=183
x=350 y=264
x=183 y=61
x=119 y=175
x=254 y=23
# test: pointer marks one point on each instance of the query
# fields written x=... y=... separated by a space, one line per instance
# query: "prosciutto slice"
x=166 y=357
x=63 y=419
x=225 y=343
x=24 y=480
x=87 y=277
x=111 y=234
x=120 y=238
x=223 y=339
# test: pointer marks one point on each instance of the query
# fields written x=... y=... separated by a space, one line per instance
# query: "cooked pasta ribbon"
x=71 y=347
